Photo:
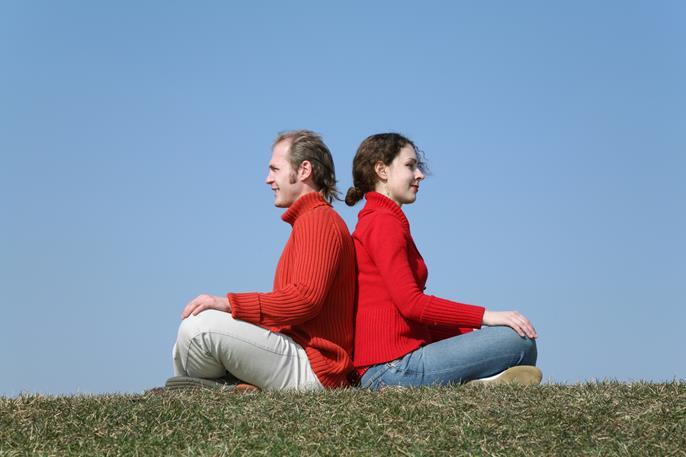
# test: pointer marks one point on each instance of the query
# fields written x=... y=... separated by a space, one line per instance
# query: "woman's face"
x=399 y=181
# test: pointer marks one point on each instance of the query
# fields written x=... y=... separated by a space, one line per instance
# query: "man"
x=300 y=335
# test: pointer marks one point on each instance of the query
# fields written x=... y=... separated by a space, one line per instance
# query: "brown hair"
x=382 y=147
x=308 y=145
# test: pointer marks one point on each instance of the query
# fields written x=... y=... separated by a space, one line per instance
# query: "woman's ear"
x=381 y=170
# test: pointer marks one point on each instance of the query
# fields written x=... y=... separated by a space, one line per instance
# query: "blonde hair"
x=308 y=145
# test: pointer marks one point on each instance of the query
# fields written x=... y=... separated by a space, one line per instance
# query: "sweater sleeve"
x=317 y=251
x=386 y=244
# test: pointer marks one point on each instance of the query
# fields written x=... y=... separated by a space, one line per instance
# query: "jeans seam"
x=447 y=370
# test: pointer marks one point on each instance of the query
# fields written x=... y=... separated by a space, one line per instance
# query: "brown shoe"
x=245 y=388
x=525 y=375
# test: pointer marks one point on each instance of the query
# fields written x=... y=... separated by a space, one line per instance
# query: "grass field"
x=586 y=419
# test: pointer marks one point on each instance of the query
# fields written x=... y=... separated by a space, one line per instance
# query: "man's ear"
x=305 y=170
x=381 y=170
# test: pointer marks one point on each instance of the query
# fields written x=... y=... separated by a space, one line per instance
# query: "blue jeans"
x=455 y=360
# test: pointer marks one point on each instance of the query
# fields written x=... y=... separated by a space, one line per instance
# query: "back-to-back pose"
x=404 y=337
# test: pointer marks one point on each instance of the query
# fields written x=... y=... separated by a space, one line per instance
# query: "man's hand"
x=203 y=302
x=513 y=319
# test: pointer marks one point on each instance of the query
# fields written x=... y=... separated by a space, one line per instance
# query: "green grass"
x=590 y=419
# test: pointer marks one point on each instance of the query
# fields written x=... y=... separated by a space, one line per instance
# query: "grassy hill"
x=589 y=419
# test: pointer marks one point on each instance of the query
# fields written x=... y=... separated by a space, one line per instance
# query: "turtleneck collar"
x=303 y=204
x=377 y=200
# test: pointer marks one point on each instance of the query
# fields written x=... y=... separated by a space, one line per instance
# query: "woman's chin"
x=410 y=199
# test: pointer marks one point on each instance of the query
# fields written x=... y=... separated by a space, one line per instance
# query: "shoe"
x=245 y=388
x=188 y=382
x=524 y=375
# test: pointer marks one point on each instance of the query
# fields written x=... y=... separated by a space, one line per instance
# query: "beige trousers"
x=213 y=342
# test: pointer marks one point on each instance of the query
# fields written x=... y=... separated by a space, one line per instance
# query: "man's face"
x=282 y=178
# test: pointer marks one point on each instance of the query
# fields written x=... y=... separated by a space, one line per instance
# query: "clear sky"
x=135 y=136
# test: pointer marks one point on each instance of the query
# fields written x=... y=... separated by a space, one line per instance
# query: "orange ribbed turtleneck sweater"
x=394 y=316
x=314 y=290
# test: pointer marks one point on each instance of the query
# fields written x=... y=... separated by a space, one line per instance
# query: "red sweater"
x=314 y=290
x=394 y=316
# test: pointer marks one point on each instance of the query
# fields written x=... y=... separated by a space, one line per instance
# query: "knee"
x=207 y=321
x=190 y=327
x=530 y=353
x=524 y=346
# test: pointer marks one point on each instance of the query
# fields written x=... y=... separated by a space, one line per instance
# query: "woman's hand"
x=203 y=302
x=513 y=319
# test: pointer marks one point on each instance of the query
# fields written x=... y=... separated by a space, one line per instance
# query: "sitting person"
x=404 y=337
x=300 y=335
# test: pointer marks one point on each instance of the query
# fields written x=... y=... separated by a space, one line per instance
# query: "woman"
x=402 y=336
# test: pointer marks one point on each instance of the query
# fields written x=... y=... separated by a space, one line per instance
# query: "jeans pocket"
x=395 y=364
x=372 y=379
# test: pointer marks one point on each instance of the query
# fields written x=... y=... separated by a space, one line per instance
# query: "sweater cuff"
x=245 y=307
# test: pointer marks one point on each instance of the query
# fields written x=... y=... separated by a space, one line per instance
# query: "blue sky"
x=135 y=136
